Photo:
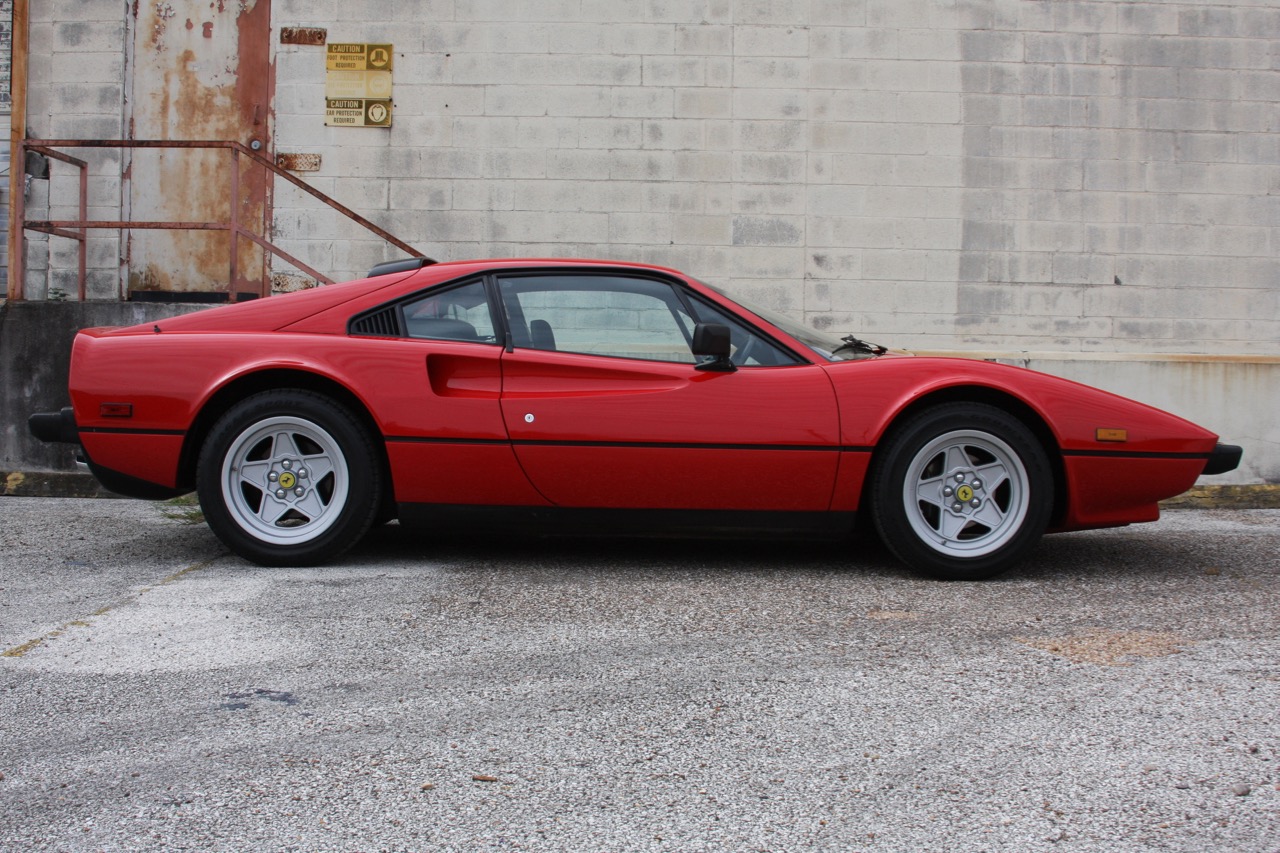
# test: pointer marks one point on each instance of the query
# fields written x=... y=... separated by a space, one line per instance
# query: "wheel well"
x=270 y=380
x=1006 y=403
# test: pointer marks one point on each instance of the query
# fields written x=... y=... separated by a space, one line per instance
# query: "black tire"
x=289 y=478
x=961 y=491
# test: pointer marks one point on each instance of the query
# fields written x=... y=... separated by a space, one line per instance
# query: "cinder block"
x=770 y=262
x=702 y=166
x=610 y=133
x=705 y=230
x=993 y=46
x=1078 y=48
x=836 y=264
x=838 y=13
x=674 y=134
x=642 y=38
x=843 y=200
x=768 y=230
x=703 y=39
x=775 y=41
x=673 y=71
x=853 y=43
x=1147 y=18
x=645 y=228
x=642 y=166
x=769 y=135
x=703 y=103
x=643 y=102
x=483 y=195
x=514 y=10
x=937 y=45
x=929 y=108
x=777 y=12
x=1084 y=17
x=894 y=265
x=771 y=73
x=768 y=168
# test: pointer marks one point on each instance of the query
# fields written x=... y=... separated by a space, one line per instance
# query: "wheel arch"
x=273 y=379
x=996 y=398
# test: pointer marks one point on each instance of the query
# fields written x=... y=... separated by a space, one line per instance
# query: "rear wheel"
x=289 y=478
x=962 y=491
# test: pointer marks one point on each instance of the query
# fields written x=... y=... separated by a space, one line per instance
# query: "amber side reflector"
x=1112 y=434
x=116 y=410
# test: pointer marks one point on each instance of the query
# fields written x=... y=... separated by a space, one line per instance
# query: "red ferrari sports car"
x=603 y=396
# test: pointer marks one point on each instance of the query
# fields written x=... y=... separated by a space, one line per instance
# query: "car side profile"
x=600 y=396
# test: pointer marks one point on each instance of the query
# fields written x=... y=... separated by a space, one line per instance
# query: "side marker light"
x=1111 y=434
x=115 y=410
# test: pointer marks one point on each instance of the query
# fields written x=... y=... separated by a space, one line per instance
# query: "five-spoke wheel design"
x=961 y=491
x=285 y=478
x=289 y=478
x=966 y=493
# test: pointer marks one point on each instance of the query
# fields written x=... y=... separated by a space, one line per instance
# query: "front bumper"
x=1224 y=458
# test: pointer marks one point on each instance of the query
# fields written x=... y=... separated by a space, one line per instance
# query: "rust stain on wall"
x=213 y=81
x=303 y=35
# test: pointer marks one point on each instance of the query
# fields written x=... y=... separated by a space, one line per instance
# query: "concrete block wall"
x=1014 y=174
x=76 y=90
x=1084 y=177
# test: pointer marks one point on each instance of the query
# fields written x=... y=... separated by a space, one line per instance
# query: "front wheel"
x=289 y=478
x=962 y=491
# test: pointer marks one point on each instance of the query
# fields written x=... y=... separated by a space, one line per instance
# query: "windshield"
x=829 y=347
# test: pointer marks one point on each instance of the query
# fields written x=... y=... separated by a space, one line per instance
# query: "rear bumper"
x=1224 y=458
x=55 y=426
x=61 y=427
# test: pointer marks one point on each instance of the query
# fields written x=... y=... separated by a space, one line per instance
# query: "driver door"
x=606 y=407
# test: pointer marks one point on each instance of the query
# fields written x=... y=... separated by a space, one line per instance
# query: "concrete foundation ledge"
x=76 y=484
x=1257 y=496
x=51 y=484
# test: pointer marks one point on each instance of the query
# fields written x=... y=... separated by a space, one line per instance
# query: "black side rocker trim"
x=590 y=522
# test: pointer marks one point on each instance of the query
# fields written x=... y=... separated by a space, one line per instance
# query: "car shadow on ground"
x=860 y=551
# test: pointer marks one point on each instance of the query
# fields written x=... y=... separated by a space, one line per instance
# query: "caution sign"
x=357 y=84
x=358 y=57
x=357 y=112
x=357 y=87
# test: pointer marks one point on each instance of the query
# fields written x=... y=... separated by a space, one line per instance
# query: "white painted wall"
x=1074 y=176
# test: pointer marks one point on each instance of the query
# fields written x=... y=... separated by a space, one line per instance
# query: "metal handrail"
x=77 y=229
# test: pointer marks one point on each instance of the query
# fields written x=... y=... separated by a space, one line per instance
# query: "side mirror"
x=713 y=339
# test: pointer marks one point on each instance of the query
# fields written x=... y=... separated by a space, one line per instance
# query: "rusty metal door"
x=198 y=70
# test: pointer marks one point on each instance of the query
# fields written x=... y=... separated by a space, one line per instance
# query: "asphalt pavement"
x=433 y=692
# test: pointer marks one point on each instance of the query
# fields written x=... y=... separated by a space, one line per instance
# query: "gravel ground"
x=1120 y=692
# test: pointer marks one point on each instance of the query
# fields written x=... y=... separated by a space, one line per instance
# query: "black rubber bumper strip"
x=1224 y=458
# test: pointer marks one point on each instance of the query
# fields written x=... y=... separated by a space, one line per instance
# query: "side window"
x=457 y=314
x=749 y=349
x=598 y=315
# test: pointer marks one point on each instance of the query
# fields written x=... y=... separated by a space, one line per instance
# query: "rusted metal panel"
x=198 y=71
x=303 y=35
x=299 y=162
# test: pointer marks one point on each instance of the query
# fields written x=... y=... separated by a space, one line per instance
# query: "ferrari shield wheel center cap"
x=287 y=480
x=964 y=493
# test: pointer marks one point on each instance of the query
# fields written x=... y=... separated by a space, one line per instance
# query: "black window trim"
x=398 y=304
x=684 y=294
x=502 y=328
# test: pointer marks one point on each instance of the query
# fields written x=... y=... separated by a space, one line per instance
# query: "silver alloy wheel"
x=966 y=493
x=285 y=480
